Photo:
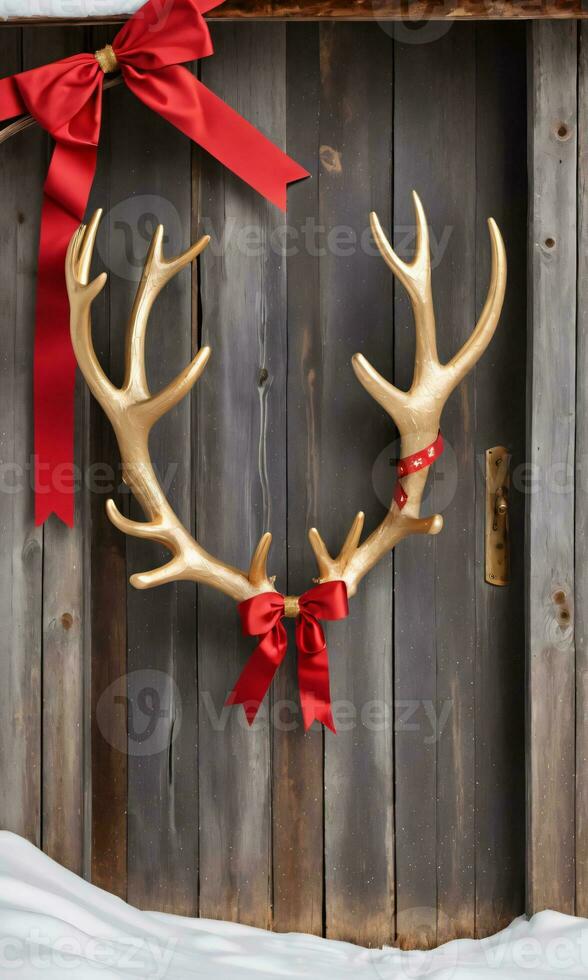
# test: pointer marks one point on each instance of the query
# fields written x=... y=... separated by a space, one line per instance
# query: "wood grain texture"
x=550 y=508
x=415 y=574
x=581 y=515
x=435 y=591
x=106 y=594
x=21 y=554
x=161 y=688
x=298 y=838
x=501 y=191
x=356 y=315
x=295 y=832
x=367 y=10
x=242 y=474
x=63 y=620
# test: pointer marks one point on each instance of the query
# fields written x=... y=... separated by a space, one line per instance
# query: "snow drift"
x=54 y=925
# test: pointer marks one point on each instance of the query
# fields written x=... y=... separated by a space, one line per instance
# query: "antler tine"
x=132 y=412
x=258 y=566
x=410 y=274
x=328 y=566
x=415 y=276
x=484 y=330
x=392 y=399
x=82 y=294
x=157 y=272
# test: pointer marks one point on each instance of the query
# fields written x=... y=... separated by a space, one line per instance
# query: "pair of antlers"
x=133 y=410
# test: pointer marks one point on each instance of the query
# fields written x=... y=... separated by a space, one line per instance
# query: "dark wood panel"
x=298 y=839
x=581 y=515
x=500 y=420
x=281 y=435
x=356 y=315
x=21 y=177
x=435 y=596
x=161 y=681
x=450 y=145
x=551 y=435
x=417 y=73
x=63 y=781
x=107 y=599
x=242 y=474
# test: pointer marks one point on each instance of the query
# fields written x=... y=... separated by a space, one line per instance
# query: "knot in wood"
x=106 y=58
x=291 y=606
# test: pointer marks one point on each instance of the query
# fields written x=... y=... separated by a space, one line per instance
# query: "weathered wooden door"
x=115 y=751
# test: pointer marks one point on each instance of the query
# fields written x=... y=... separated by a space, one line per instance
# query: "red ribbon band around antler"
x=262 y=616
x=412 y=464
x=65 y=98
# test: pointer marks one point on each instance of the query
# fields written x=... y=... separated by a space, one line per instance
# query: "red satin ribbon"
x=66 y=100
x=412 y=464
x=262 y=616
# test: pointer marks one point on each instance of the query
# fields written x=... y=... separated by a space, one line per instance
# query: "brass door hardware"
x=497 y=527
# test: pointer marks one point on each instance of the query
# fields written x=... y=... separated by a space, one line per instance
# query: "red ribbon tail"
x=67 y=188
x=315 y=692
x=258 y=673
x=202 y=116
x=54 y=372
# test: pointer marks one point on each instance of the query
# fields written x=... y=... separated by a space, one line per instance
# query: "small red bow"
x=66 y=100
x=262 y=616
x=412 y=464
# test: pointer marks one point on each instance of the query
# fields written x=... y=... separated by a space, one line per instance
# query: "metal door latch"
x=497 y=523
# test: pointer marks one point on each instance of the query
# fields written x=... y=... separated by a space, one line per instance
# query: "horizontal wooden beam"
x=385 y=10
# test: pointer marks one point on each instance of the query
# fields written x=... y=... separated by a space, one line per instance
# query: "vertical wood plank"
x=106 y=577
x=455 y=592
x=21 y=176
x=500 y=420
x=297 y=810
x=581 y=537
x=356 y=315
x=152 y=184
x=550 y=508
x=242 y=475
x=435 y=593
x=63 y=627
x=415 y=661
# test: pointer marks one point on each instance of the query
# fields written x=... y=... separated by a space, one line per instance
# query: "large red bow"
x=262 y=616
x=66 y=99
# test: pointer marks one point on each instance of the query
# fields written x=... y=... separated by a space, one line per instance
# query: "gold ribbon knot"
x=291 y=606
x=106 y=58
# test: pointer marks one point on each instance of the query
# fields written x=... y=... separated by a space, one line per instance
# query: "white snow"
x=67 y=8
x=54 y=925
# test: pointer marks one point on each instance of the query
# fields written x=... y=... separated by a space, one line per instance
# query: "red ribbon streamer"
x=412 y=464
x=65 y=98
x=262 y=616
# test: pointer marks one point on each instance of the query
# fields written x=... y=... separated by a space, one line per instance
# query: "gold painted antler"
x=417 y=412
x=133 y=410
